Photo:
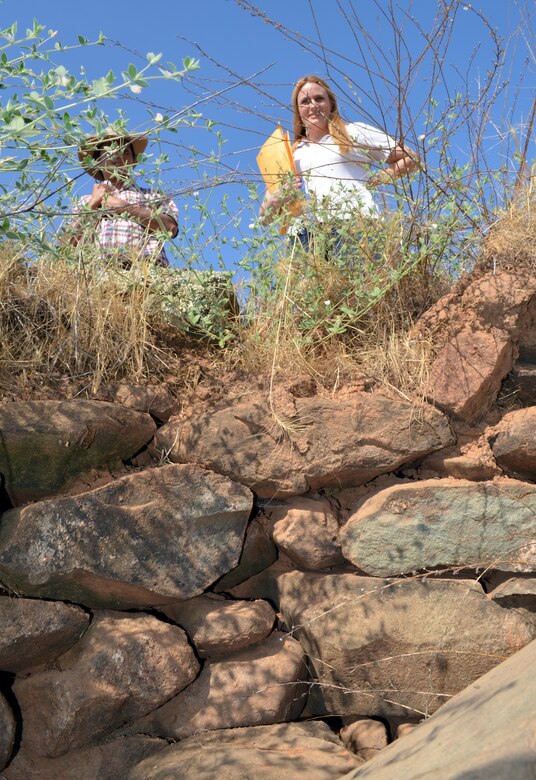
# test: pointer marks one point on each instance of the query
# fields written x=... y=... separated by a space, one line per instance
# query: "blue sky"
x=356 y=51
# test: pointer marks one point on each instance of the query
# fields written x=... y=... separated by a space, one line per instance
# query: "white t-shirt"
x=334 y=182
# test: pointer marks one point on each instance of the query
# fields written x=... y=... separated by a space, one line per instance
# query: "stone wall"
x=291 y=591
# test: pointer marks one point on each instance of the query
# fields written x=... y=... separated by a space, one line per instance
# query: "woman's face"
x=314 y=107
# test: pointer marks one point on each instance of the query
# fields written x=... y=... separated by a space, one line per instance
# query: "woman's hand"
x=288 y=192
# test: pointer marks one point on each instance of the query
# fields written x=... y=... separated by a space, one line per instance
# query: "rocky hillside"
x=279 y=584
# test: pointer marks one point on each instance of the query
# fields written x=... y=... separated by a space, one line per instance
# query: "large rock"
x=123 y=667
x=486 y=732
x=159 y=535
x=307 y=531
x=477 y=330
x=513 y=443
x=35 y=632
x=217 y=626
x=392 y=648
x=328 y=442
x=102 y=762
x=466 y=376
x=46 y=445
x=7 y=731
x=259 y=685
x=436 y=523
x=286 y=750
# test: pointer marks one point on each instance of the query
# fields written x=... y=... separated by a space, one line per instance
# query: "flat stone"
x=260 y=685
x=35 y=632
x=46 y=445
x=285 y=750
x=444 y=523
x=219 y=626
x=123 y=667
x=395 y=648
x=452 y=745
x=146 y=539
x=328 y=442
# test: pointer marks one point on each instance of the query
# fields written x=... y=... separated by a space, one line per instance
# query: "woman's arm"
x=274 y=201
x=401 y=162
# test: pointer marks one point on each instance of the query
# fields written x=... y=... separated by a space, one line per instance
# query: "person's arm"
x=143 y=215
x=274 y=201
x=401 y=162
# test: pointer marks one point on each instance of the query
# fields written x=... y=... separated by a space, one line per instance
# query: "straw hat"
x=95 y=143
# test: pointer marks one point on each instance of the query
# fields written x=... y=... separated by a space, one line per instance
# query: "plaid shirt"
x=121 y=234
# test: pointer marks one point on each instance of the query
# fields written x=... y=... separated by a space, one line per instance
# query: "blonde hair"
x=336 y=127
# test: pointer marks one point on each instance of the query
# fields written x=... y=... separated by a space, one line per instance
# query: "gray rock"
x=7 y=731
x=102 y=762
x=259 y=685
x=443 y=523
x=216 y=626
x=286 y=750
x=123 y=667
x=327 y=442
x=35 y=632
x=446 y=745
x=392 y=648
x=46 y=445
x=146 y=539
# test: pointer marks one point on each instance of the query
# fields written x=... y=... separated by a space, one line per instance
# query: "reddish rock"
x=327 y=443
x=123 y=667
x=259 y=685
x=477 y=329
x=154 y=399
x=217 y=626
x=486 y=732
x=47 y=445
x=103 y=762
x=286 y=750
x=393 y=648
x=364 y=737
x=513 y=443
x=307 y=532
x=150 y=538
x=35 y=632
x=466 y=375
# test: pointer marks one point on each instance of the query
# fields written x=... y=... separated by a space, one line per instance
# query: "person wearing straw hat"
x=124 y=219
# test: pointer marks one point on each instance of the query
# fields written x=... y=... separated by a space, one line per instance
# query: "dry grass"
x=512 y=239
x=66 y=315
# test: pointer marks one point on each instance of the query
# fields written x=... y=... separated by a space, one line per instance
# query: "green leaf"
x=82 y=41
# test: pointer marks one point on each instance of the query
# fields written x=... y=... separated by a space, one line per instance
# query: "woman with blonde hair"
x=333 y=160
